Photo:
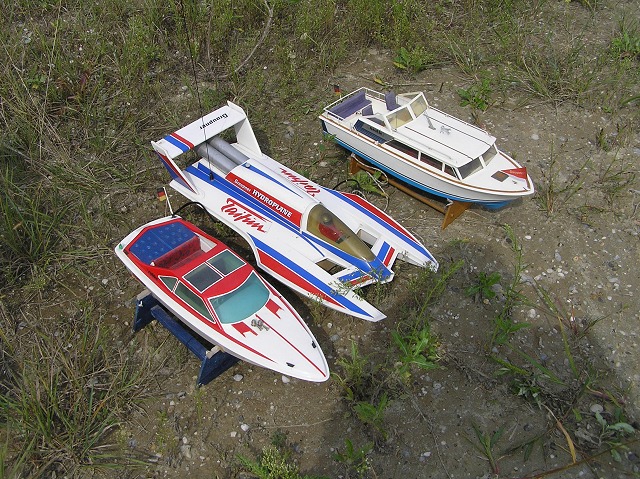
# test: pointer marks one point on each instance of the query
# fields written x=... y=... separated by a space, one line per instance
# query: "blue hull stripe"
x=306 y=275
x=420 y=186
x=385 y=225
x=225 y=186
x=177 y=143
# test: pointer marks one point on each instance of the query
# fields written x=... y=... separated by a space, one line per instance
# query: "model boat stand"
x=214 y=361
x=450 y=210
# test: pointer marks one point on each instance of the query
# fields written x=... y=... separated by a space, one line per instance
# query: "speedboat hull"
x=221 y=298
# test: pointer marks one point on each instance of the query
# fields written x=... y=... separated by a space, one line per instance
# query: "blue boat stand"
x=214 y=361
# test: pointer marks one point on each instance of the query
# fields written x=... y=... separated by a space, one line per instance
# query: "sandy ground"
x=583 y=255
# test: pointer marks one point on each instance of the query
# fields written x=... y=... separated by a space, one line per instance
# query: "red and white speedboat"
x=221 y=297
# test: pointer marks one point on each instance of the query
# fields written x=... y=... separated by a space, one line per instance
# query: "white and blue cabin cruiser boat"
x=425 y=147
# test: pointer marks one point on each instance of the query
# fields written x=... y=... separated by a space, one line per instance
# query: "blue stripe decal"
x=269 y=177
x=415 y=184
x=384 y=224
x=303 y=273
x=384 y=250
x=177 y=143
x=202 y=172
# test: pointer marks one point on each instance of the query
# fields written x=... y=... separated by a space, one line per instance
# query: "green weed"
x=34 y=224
x=486 y=444
x=626 y=46
x=415 y=60
x=427 y=286
x=552 y=193
x=357 y=375
x=419 y=348
x=354 y=459
x=372 y=414
x=369 y=182
x=273 y=463
x=504 y=325
x=68 y=395
x=478 y=95
x=483 y=289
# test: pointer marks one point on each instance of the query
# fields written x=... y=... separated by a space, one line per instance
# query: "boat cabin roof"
x=408 y=118
x=434 y=132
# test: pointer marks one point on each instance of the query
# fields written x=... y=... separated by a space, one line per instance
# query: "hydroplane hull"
x=320 y=242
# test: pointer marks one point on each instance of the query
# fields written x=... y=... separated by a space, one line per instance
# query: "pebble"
x=238 y=377
x=596 y=408
x=185 y=450
x=285 y=380
x=244 y=427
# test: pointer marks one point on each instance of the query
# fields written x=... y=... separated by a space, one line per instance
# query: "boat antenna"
x=195 y=80
x=163 y=196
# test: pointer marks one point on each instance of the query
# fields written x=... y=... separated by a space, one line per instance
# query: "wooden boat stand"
x=450 y=210
x=214 y=361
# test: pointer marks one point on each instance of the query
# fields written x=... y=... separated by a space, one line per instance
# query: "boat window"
x=400 y=117
x=431 y=161
x=242 y=302
x=449 y=170
x=470 y=168
x=403 y=148
x=169 y=281
x=193 y=300
x=490 y=154
x=323 y=224
x=202 y=277
x=419 y=105
x=226 y=262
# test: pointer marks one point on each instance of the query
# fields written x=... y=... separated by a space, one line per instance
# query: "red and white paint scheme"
x=320 y=242
x=221 y=297
x=425 y=147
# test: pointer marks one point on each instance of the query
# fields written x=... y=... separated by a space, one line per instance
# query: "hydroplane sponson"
x=221 y=297
x=425 y=147
x=320 y=242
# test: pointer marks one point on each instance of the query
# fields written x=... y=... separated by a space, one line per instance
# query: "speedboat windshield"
x=323 y=224
x=242 y=302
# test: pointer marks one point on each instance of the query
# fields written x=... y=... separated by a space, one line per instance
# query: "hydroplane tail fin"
x=198 y=132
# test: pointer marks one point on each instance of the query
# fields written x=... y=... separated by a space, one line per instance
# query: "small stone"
x=233 y=434
x=185 y=450
x=596 y=408
x=285 y=380
x=238 y=377
x=244 y=427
